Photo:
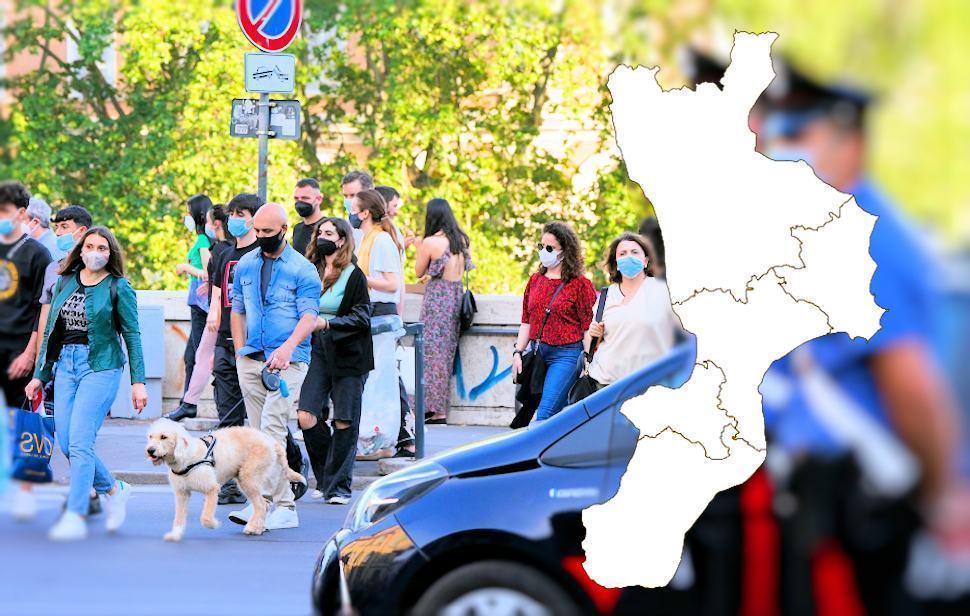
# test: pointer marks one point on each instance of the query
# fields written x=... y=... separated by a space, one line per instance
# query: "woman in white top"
x=379 y=257
x=638 y=324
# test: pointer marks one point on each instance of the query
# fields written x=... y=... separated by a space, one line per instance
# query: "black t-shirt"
x=75 y=318
x=303 y=234
x=223 y=266
x=22 y=266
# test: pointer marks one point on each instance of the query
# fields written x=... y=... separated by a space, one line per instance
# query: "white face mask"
x=549 y=259
x=94 y=261
x=189 y=223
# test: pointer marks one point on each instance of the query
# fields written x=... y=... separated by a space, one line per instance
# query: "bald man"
x=275 y=303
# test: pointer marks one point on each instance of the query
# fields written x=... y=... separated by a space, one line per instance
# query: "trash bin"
x=151 y=320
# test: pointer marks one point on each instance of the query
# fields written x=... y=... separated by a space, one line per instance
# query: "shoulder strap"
x=599 y=317
x=114 y=303
x=17 y=246
x=542 y=327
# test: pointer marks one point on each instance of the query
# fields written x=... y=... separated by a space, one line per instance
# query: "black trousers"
x=199 y=317
x=332 y=452
x=229 y=400
x=13 y=389
x=873 y=531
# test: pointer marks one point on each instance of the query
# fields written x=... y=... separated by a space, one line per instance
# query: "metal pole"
x=263 y=133
x=418 y=390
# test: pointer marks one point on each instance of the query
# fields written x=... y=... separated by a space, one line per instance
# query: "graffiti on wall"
x=494 y=377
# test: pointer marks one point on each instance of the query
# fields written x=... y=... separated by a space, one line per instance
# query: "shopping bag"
x=32 y=439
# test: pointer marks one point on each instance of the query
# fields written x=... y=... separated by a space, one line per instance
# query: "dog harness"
x=208 y=459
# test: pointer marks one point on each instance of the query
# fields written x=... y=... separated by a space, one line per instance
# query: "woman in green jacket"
x=93 y=303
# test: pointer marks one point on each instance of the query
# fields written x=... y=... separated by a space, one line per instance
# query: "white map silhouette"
x=762 y=256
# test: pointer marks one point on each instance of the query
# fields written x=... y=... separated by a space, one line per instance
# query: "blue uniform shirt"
x=293 y=291
x=905 y=283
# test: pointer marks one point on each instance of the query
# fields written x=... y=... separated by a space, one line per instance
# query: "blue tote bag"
x=32 y=443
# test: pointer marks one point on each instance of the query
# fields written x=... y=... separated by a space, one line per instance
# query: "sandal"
x=436 y=421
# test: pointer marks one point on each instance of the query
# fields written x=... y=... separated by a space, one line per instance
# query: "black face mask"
x=270 y=244
x=304 y=209
x=326 y=247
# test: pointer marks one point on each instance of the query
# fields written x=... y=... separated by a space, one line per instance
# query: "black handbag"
x=466 y=315
x=533 y=375
x=586 y=385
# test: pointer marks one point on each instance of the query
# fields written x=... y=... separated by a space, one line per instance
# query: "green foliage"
x=461 y=100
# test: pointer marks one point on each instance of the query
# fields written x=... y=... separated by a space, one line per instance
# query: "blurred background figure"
x=864 y=436
x=39 y=227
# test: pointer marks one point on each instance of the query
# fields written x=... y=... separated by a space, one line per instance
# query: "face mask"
x=782 y=153
x=630 y=266
x=6 y=226
x=270 y=244
x=549 y=259
x=304 y=209
x=95 y=261
x=355 y=221
x=347 y=203
x=65 y=242
x=210 y=232
x=189 y=223
x=238 y=227
x=326 y=247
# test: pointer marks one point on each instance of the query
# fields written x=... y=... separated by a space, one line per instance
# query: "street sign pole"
x=263 y=144
x=270 y=25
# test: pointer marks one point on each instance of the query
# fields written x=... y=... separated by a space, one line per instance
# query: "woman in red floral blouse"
x=570 y=312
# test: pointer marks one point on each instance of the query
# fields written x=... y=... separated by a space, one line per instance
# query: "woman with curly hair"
x=557 y=308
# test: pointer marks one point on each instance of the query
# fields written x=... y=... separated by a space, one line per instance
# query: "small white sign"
x=270 y=72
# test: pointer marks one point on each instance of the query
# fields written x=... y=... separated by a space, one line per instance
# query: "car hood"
x=512 y=449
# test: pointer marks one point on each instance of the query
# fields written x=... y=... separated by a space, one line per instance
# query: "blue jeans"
x=560 y=375
x=82 y=399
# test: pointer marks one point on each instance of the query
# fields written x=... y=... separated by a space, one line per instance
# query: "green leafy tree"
x=132 y=148
x=492 y=105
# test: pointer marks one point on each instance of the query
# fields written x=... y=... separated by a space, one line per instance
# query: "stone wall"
x=482 y=390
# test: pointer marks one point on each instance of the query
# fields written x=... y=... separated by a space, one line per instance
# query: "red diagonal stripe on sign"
x=267 y=12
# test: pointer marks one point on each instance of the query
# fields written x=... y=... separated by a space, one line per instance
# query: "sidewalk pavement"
x=121 y=446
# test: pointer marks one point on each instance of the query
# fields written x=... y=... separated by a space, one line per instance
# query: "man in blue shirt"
x=275 y=302
x=863 y=436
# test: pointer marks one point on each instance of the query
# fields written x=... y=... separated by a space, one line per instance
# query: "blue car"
x=495 y=527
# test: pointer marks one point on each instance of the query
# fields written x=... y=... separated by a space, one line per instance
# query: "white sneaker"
x=338 y=500
x=115 y=506
x=71 y=527
x=242 y=516
x=282 y=517
x=317 y=494
x=23 y=504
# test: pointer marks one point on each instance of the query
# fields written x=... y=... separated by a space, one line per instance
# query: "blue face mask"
x=347 y=203
x=782 y=153
x=65 y=242
x=210 y=232
x=629 y=266
x=6 y=226
x=238 y=227
x=355 y=221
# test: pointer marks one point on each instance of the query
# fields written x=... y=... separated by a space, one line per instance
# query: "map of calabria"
x=762 y=256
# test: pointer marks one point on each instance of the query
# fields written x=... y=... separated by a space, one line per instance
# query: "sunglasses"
x=545 y=247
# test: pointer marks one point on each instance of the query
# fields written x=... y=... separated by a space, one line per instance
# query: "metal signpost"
x=270 y=25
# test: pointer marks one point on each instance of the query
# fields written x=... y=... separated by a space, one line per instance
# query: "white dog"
x=252 y=458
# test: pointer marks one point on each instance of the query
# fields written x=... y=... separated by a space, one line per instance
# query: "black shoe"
x=231 y=495
x=94 y=506
x=184 y=411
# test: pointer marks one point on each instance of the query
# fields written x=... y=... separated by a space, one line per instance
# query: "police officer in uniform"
x=863 y=437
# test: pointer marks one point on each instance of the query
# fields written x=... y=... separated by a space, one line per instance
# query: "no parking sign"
x=270 y=25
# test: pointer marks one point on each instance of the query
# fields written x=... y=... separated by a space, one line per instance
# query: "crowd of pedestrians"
x=320 y=306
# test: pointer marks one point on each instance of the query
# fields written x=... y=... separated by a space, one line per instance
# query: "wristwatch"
x=515 y=352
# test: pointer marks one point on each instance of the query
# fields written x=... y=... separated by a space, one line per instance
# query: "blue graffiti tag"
x=494 y=377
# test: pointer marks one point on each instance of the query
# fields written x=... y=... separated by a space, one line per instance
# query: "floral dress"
x=440 y=315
